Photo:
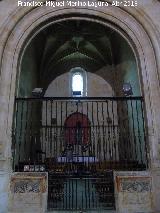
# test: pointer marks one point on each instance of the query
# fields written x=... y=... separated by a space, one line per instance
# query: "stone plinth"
x=133 y=194
x=28 y=192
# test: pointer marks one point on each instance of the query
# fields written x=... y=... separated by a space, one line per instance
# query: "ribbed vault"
x=69 y=44
x=78 y=43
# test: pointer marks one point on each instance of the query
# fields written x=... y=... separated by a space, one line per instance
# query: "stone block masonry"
x=28 y=192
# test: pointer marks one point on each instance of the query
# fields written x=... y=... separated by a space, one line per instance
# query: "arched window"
x=77 y=84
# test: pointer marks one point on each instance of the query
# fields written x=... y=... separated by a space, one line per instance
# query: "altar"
x=77 y=159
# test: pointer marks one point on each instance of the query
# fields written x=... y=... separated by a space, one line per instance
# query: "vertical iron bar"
x=51 y=128
x=113 y=131
x=85 y=196
x=69 y=194
x=54 y=129
x=129 y=148
x=82 y=200
x=93 y=133
x=133 y=128
x=145 y=134
x=89 y=192
x=26 y=129
x=72 y=189
x=20 y=134
x=123 y=134
x=109 y=132
x=103 y=135
x=61 y=134
x=77 y=129
x=66 y=129
x=93 y=200
x=56 y=136
x=46 y=135
x=30 y=131
x=15 y=134
x=76 y=195
x=139 y=134
x=98 y=135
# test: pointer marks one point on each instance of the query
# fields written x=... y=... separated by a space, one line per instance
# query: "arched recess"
x=30 y=22
x=77 y=127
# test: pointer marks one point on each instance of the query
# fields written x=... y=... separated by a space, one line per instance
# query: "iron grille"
x=78 y=141
x=81 y=192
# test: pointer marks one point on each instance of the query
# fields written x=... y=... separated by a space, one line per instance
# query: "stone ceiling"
x=70 y=44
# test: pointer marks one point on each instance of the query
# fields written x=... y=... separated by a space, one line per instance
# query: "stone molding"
x=28 y=192
x=24 y=186
x=133 y=193
x=130 y=29
x=36 y=19
x=28 y=182
x=135 y=185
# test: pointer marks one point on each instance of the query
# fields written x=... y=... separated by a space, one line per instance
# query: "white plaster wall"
x=96 y=87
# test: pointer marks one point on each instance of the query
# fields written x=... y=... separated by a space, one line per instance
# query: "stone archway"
x=28 y=22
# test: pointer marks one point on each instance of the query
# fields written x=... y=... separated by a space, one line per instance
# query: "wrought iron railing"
x=68 y=134
x=81 y=193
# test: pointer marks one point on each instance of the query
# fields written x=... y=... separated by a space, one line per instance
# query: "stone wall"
x=133 y=192
x=28 y=192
